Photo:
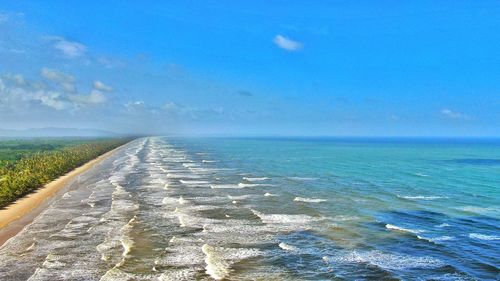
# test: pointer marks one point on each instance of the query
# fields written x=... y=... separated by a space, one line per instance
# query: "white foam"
x=395 y=227
x=208 y=161
x=422 y=197
x=193 y=182
x=251 y=179
x=182 y=176
x=267 y=194
x=284 y=218
x=442 y=225
x=309 y=200
x=219 y=260
x=243 y=185
x=387 y=260
x=484 y=237
x=224 y=186
x=436 y=240
x=302 y=178
x=183 y=201
x=287 y=247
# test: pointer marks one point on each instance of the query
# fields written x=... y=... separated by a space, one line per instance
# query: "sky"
x=249 y=68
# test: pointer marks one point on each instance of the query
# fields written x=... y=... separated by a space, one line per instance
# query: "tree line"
x=23 y=176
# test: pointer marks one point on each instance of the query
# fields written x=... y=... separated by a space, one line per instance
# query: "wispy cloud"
x=66 y=81
x=450 y=114
x=287 y=43
x=98 y=85
x=70 y=49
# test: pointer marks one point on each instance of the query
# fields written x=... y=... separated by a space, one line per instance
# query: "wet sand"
x=17 y=215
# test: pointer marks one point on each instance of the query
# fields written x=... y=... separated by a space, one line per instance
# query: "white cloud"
x=52 y=99
x=66 y=81
x=98 y=85
x=135 y=106
x=17 y=79
x=287 y=43
x=70 y=49
x=110 y=62
x=450 y=114
x=20 y=95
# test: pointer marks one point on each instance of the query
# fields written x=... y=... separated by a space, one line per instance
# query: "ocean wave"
x=302 y=178
x=219 y=259
x=255 y=179
x=225 y=186
x=287 y=247
x=479 y=210
x=436 y=240
x=267 y=194
x=193 y=182
x=398 y=228
x=422 y=197
x=309 y=200
x=182 y=175
x=484 y=237
x=183 y=201
x=386 y=261
x=242 y=184
x=284 y=218
x=421 y=175
x=209 y=161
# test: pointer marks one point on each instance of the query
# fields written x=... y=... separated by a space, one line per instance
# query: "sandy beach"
x=22 y=212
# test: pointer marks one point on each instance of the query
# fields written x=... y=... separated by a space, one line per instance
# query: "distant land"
x=56 y=132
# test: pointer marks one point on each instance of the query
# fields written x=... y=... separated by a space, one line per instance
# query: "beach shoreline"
x=23 y=211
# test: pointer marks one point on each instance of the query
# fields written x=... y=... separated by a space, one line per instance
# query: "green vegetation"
x=29 y=164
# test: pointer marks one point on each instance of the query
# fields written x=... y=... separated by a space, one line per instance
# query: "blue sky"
x=364 y=68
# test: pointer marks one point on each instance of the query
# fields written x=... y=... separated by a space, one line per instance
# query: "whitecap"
x=193 y=182
x=284 y=218
x=398 y=228
x=442 y=225
x=287 y=247
x=484 y=237
x=182 y=201
x=387 y=261
x=302 y=178
x=309 y=200
x=251 y=179
x=436 y=240
x=422 y=197
x=224 y=186
x=219 y=260
x=243 y=185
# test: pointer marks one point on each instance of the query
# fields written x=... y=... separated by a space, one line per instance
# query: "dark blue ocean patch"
x=476 y=161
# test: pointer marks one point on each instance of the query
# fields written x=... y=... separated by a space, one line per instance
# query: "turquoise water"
x=272 y=209
x=411 y=209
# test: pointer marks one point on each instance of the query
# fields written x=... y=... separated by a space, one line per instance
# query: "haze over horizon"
x=329 y=68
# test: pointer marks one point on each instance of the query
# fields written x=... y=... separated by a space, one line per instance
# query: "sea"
x=165 y=208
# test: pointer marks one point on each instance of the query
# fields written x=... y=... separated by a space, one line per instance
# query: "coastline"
x=24 y=210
